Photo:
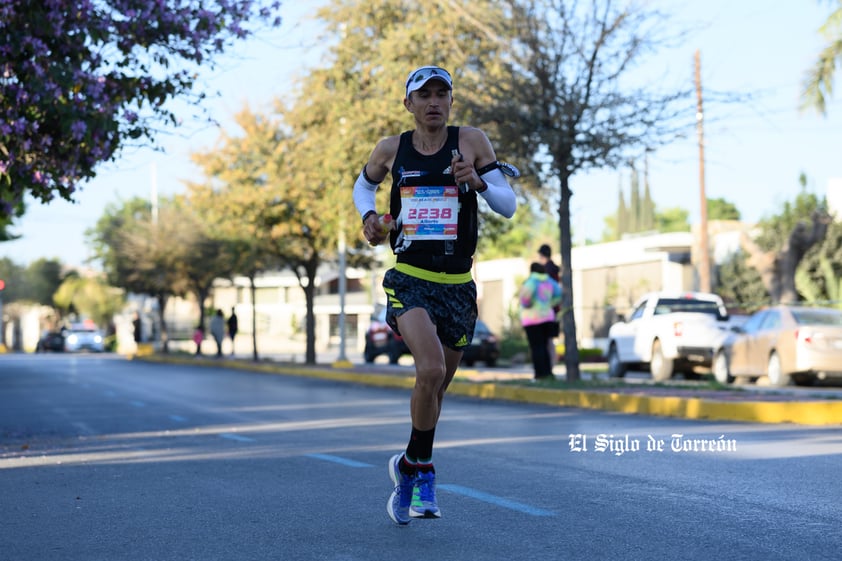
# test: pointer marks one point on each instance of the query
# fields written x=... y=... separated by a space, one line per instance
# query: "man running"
x=437 y=172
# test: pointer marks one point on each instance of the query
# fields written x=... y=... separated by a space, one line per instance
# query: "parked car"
x=83 y=337
x=50 y=341
x=380 y=339
x=484 y=347
x=783 y=343
x=668 y=333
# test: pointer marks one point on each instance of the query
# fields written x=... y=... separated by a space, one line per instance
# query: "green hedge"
x=511 y=346
x=518 y=345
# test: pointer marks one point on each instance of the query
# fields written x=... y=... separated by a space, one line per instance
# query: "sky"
x=754 y=152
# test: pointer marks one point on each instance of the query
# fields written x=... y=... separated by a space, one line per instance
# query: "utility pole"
x=704 y=260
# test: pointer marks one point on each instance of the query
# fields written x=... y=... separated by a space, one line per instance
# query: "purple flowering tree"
x=81 y=78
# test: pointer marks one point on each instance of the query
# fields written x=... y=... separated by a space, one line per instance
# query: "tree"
x=24 y=286
x=818 y=83
x=13 y=211
x=783 y=242
x=43 y=277
x=740 y=285
x=241 y=192
x=827 y=292
x=35 y=283
x=673 y=219
x=635 y=205
x=145 y=253
x=639 y=216
x=259 y=196
x=207 y=257
x=526 y=228
x=303 y=225
x=819 y=276
x=647 y=206
x=720 y=209
x=355 y=101
x=572 y=104
x=13 y=276
x=89 y=298
x=621 y=223
x=80 y=81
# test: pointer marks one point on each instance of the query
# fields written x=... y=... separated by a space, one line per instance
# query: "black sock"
x=420 y=447
x=406 y=467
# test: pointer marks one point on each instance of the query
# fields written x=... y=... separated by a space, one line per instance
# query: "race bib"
x=429 y=213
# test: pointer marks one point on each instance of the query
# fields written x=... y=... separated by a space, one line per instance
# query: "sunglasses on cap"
x=420 y=76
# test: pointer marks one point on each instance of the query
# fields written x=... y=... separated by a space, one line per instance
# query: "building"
x=607 y=279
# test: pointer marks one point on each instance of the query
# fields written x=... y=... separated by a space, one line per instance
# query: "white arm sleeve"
x=364 y=192
x=499 y=195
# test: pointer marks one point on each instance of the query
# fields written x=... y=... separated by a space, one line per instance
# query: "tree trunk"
x=202 y=296
x=310 y=296
x=568 y=321
x=165 y=335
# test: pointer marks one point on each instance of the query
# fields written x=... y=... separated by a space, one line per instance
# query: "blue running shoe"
x=424 y=496
x=401 y=497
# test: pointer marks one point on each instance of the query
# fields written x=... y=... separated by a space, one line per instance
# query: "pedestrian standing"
x=217 y=329
x=137 y=328
x=538 y=294
x=198 y=337
x=438 y=172
x=545 y=257
x=233 y=327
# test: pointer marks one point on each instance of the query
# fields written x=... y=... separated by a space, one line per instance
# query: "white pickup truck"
x=668 y=333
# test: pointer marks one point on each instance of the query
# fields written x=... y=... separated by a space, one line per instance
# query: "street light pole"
x=342 y=360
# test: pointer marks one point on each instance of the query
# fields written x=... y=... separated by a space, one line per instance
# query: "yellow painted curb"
x=819 y=412
x=145 y=349
x=814 y=412
x=325 y=373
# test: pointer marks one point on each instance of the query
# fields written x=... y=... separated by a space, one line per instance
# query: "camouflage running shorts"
x=451 y=307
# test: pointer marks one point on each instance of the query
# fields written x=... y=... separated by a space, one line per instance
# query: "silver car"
x=783 y=343
x=83 y=338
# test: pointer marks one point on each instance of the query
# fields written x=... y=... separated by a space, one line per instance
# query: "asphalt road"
x=106 y=459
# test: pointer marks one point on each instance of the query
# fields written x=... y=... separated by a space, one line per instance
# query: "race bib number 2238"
x=430 y=212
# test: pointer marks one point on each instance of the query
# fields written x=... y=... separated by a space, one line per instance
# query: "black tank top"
x=411 y=168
